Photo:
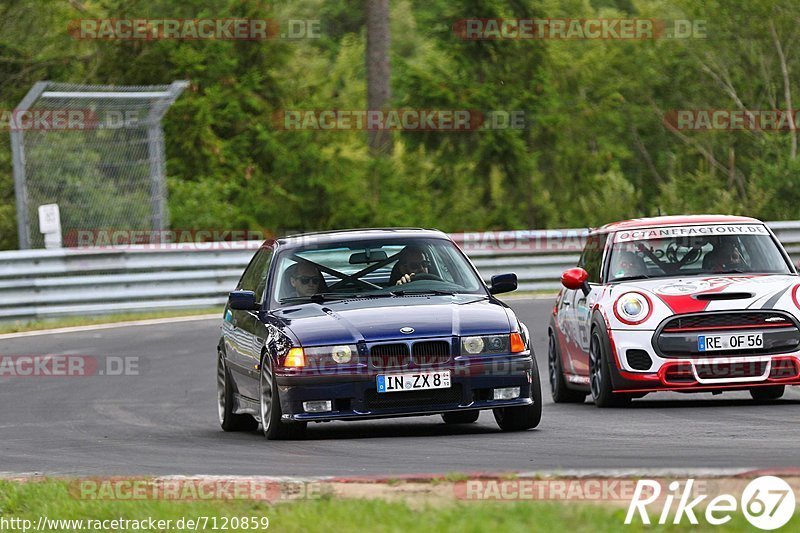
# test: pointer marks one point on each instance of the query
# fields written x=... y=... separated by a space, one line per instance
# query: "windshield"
x=372 y=269
x=694 y=250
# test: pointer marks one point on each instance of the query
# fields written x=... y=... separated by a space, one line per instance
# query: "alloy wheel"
x=266 y=395
x=595 y=367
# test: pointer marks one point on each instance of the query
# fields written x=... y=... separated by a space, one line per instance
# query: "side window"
x=263 y=273
x=255 y=275
x=592 y=258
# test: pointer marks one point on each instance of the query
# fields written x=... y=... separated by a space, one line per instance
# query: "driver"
x=628 y=265
x=412 y=261
x=725 y=256
x=305 y=278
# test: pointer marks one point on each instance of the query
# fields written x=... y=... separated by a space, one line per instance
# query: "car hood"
x=716 y=293
x=350 y=321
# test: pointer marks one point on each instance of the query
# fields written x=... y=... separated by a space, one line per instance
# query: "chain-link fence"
x=97 y=152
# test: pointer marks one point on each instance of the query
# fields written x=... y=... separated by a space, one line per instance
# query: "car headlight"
x=332 y=355
x=633 y=308
x=488 y=344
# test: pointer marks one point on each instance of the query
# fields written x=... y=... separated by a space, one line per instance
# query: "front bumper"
x=354 y=396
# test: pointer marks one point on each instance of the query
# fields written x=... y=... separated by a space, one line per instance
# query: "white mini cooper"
x=688 y=304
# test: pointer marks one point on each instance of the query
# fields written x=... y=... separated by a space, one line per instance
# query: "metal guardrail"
x=49 y=283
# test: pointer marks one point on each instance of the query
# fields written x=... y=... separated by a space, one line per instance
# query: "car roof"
x=354 y=235
x=679 y=220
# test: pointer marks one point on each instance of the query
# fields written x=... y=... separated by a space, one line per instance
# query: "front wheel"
x=555 y=370
x=767 y=393
x=271 y=414
x=600 y=374
x=228 y=420
x=525 y=416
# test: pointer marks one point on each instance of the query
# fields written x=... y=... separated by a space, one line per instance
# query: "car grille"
x=743 y=320
x=680 y=373
x=784 y=369
x=677 y=337
x=431 y=352
x=389 y=355
x=639 y=359
x=421 y=398
x=750 y=369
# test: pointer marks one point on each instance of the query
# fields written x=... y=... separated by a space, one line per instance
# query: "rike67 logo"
x=767 y=502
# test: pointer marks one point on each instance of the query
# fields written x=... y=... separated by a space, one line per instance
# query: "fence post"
x=18 y=164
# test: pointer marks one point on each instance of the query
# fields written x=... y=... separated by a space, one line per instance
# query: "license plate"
x=709 y=343
x=413 y=381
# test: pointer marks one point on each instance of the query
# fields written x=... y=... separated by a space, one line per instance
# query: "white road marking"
x=110 y=325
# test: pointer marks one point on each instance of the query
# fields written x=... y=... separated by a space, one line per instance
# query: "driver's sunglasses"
x=305 y=280
x=416 y=265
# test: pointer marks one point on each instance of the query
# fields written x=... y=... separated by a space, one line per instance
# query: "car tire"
x=461 y=417
x=525 y=416
x=269 y=400
x=772 y=392
x=228 y=420
x=600 y=373
x=558 y=385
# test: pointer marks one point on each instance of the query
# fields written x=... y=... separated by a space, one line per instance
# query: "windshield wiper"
x=435 y=292
x=331 y=296
x=734 y=271
x=630 y=278
x=319 y=297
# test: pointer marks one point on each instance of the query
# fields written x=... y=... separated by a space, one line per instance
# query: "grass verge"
x=55 y=500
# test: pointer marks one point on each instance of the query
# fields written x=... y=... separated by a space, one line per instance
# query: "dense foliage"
x=596 y=147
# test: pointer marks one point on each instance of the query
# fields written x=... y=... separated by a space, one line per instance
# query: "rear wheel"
x=525 y=416
x=600 y=374
x=558 y=385
x=271 y=414
x=229 y=420
x=772 y=392
x=461 y=417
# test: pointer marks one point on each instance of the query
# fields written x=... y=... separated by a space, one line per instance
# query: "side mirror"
x=503 y=283
x=243 y=301
x=576 y=278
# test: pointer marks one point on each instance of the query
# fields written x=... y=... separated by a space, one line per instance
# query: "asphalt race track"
x=164 y=421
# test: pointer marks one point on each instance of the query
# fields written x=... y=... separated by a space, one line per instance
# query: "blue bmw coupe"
x=366 y=324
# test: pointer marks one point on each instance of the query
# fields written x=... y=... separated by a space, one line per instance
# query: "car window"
x=255 y=275
x=262 y=273
x=364 y=268
x=592 y=258
x=695 y=250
